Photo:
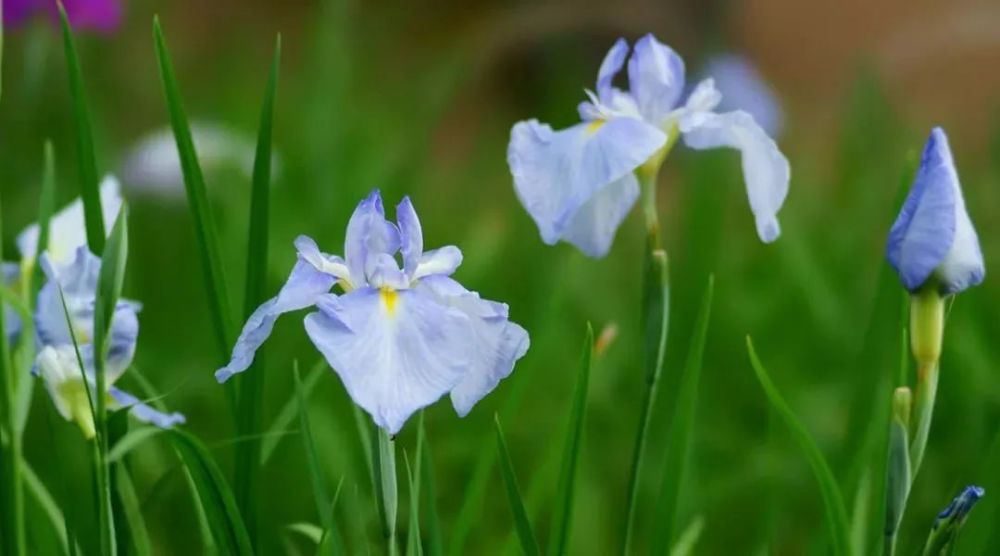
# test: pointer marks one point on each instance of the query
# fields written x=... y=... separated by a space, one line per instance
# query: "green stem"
x=655 y=320
x=927 y=382
x=386 y=496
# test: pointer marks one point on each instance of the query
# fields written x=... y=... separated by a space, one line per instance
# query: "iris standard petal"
x=411 y=236
x=656 y=78
x=765 y=169
x=593 y=227
x=743 y=88
x=927 y=226
x=143 y=412
x=610 y=66
x=395 y=351
x=368 y=234
x=304 y=286
x=557 y=172
x=499 y=342
x=67 y=228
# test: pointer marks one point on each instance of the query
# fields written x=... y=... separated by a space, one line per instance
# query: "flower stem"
x=923 y=410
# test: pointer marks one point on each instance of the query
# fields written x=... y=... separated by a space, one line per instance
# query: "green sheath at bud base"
x=926 y=325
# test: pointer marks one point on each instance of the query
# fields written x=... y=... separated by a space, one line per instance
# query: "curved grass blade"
x=89 y=182
x=130 y=440
x=562 y=512
x=413 y=546
x=680 y=434
x=201 y=214
x=323 y=506
x=522 y=524
x=11 y=483
x=214 y=495
x=386 y=494
x=48 y=504
x=131 y=508
x=46 y=207
x=251 y=384
x=655 y=321
x=689 y=538
x=836 y=512
x=432 y=523
x=289 y=412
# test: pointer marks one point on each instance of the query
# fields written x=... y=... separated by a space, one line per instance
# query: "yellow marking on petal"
x=389 y=299
x=593 y=126
x=75 y=397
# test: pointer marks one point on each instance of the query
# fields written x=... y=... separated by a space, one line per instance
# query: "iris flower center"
x=389 y=298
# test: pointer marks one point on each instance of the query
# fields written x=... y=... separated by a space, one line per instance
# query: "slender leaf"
x=836 y=512
x=201 y=214
x=386 y=495
x=289 y=412
x=432 y=523
x=689 y=538
x=562 y=513
x=48 y=504
x=679 y=438
x=11 y=485
x=130 y=441
x=214 y=495
x=251 y=384
x=132 y=512
x=413 y=546
x=89 y=183
x=46 y=206
x=323 y=506
x=522 y=524
x=308 y=530
x=655 y=321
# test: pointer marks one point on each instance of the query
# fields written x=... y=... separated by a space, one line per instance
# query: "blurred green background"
x=417 y=99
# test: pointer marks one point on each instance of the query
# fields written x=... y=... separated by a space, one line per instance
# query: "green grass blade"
x=689 y=538
x=317 y=480
x=132 y=511
x=46 y=206
x=130 y=441
x=201 y=214
x=11 y=485
x=833 y=502
x=432 y=522
x=48 y=504
x=89 y=180
x=251 y=384
x=655 y=321
x=522 y=524
x=413 y=546
x=562 y=512
x=289 y=412
x=214 y=496
x=679 y=437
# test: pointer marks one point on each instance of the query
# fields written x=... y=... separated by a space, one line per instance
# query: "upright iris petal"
x=399 y=338
x=579 y=183
x=933 y=236
x=744 y=88
x=64 y=314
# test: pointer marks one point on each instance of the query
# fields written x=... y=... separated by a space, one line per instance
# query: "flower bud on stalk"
x=898 y=471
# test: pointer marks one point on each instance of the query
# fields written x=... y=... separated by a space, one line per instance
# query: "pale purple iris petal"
x=765 y=169
x=612 y=64
x=395 y=352
x=368 y=234
x=743 y=88
x=656 y=78
x=558 y=172
x=933 y=232
x=592 y=229
x=304 y=285
x=145 y=413
x=411 y=236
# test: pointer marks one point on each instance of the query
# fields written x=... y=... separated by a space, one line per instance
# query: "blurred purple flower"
x=744 y=88
x=99 y=15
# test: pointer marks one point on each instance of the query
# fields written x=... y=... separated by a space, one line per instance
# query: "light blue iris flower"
x=578 y=184
x=933 y=237
x=743 y=88
x=398 y=337
x=57 y=364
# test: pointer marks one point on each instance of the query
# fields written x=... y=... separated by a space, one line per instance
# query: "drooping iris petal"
x=933 y=233
x=443 y=260
x=143 y=412
x=499 y=342
x=558 y=172
x=656 y=78
x=395 y=351
x=329 y=264
x=765 y=169
x=612 y=64
x=368 y=234
x=304 y=286
x=593 y=227
x=743 y=88
x=67 y=228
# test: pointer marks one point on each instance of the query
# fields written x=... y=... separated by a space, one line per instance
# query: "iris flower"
x=399 y=337
x=579 y=183
x=100 y=15
x=932 y=240
x=744 y=88
x=57 y=362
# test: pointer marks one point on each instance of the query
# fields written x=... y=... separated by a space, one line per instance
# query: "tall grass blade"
x=48 y=504
x=319 y=487
x=681 y=430
x=214 y=496
x=46 y=206
x=833 y=502
x=201 y=214
x=11 y=486
x=655 y=321
x=289 y=412
x=251 y=384
x=132 y=510
x=413 y=546
x=522 y=524
x=432 y=522
x=562 y=511
x=89 y=181
x=386 y=495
